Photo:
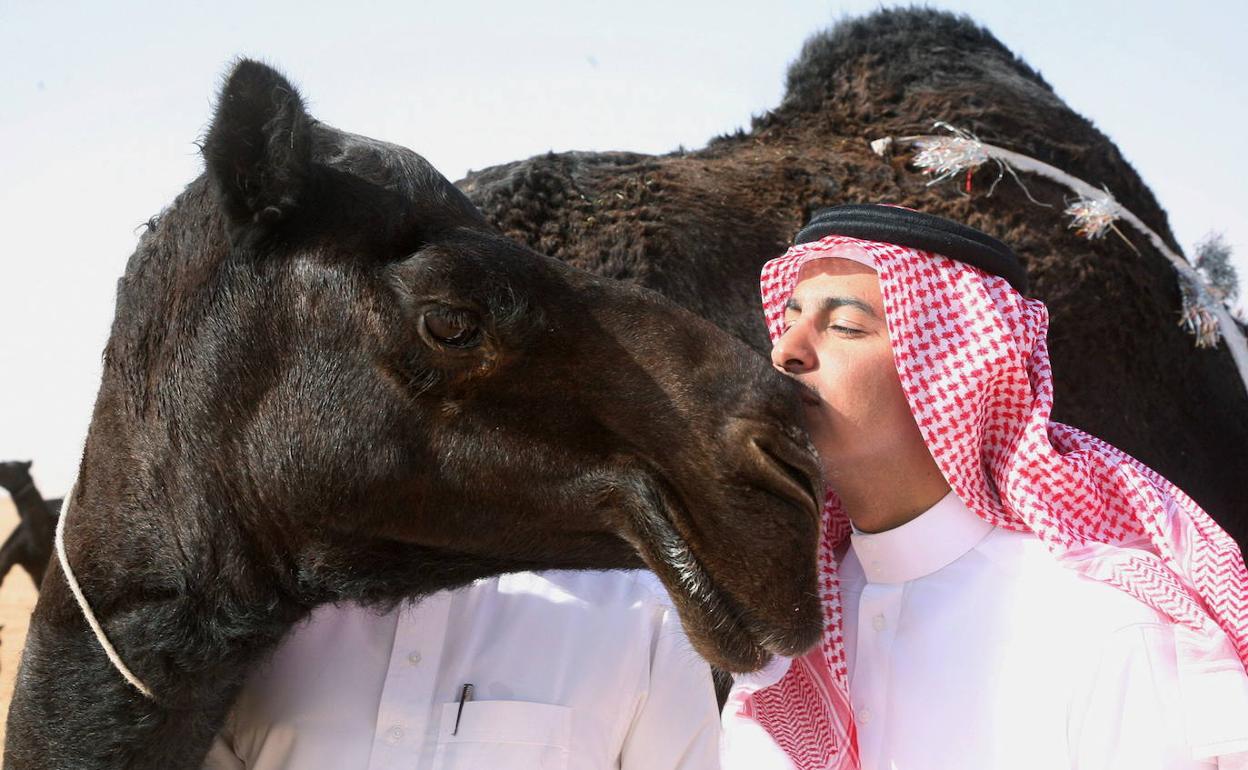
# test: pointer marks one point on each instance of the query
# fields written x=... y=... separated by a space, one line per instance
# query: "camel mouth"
x=719 y=626
x=734 y=645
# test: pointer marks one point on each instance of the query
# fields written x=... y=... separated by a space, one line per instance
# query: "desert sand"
x=17 y=599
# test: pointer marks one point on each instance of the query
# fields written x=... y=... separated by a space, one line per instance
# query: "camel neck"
x=85 y=607
x=210 y=633
x=25 y=498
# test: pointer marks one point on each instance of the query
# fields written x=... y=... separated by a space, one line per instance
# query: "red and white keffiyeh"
x=974 y=365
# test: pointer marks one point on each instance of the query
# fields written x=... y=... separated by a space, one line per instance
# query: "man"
x=553 y=670
x=1000 y=591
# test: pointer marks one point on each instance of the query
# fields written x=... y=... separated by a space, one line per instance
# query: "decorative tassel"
x=1093 y=217
x=947 y=156
x=1197 y=317
x=944 y=157
x=1213 y=260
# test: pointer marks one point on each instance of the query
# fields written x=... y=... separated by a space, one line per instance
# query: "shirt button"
x=864 y=716
x=878 y=622
x=414 y=658
x=394 y=734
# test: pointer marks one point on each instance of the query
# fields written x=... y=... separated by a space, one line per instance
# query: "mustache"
x=812 y=394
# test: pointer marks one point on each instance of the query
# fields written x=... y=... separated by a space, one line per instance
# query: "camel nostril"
x=775 y=456
x=786 y=460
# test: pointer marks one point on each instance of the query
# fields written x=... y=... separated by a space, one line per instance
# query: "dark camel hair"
x=30 y=542
x=328 y=379
x=698 y=225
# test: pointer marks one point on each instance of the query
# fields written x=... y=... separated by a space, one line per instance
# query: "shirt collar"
x=932 y=540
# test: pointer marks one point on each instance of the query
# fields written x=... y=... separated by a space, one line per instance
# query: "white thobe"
x=569 y=670
x=971 y=647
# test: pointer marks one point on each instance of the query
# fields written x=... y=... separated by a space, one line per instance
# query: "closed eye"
x=846 y=331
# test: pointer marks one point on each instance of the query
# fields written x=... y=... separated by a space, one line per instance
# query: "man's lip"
x=810 y=398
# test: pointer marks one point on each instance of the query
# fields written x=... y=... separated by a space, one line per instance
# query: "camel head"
x=324 y=357
x=14 y=475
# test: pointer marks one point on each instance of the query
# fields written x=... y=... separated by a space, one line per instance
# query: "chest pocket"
x=504 y=735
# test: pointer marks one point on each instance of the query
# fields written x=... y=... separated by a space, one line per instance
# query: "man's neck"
x=885 y=496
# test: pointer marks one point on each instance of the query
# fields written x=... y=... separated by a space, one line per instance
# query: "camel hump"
x=909 y=49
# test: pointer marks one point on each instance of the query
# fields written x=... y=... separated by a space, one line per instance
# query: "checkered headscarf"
x=974 y=365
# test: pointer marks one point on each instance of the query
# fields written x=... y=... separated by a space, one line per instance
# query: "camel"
x=30 y=542
x=330 y=379
x=698 y=225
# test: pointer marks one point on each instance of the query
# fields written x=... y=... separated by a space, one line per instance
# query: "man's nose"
x=793 y=353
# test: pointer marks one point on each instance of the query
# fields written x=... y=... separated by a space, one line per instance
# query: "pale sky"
x=100 y=104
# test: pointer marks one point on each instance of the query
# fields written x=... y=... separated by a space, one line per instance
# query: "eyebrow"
x=828 y=304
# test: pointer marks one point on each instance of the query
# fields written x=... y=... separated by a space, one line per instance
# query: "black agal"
x=927 y=232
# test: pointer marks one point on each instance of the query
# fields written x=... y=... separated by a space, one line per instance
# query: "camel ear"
x=258 y=151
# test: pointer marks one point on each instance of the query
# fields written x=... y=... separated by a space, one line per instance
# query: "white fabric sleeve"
x=677 y=723
x=1126 y=713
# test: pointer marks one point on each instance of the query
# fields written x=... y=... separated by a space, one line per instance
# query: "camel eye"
x=453 y=328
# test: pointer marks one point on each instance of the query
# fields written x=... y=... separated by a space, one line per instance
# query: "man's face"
x=836 y=344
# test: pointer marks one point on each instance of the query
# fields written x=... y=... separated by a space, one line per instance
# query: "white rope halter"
x=86 y=608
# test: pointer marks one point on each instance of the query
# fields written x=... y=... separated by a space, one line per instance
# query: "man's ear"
x=258 y=151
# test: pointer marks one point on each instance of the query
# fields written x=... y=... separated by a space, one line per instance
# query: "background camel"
x=698 y=225
x=30 y=542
